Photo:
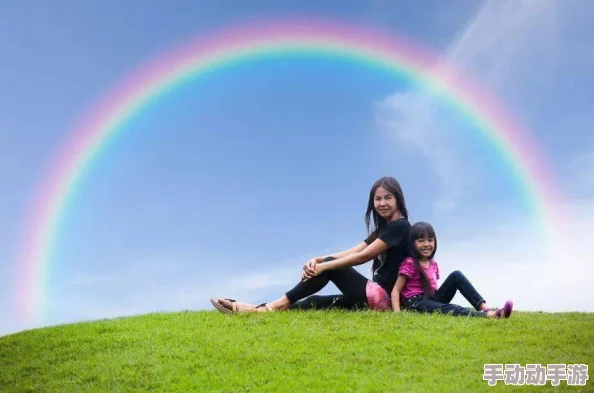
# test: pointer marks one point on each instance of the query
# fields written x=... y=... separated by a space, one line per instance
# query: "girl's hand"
x=318 y=269
x=305 y=275
x=311 y=265
x=309 y=269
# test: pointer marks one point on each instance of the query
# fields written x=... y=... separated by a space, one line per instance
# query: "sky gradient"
x=228 y=184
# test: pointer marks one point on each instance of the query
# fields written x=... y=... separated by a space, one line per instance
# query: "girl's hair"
x=379 y=223
x=421 y=230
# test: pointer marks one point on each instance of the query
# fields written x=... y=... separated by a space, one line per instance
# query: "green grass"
x=297 y=351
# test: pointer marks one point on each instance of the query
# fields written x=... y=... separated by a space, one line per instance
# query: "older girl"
x=386 y=246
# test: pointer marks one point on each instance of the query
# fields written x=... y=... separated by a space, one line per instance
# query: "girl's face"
x=385 y=203
x=425 y=247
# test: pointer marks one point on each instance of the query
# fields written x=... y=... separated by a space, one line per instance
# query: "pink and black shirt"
x=413 y=284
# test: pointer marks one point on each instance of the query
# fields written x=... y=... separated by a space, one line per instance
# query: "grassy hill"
x=297 y=351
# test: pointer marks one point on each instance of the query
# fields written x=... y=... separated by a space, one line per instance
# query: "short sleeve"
x=371 y=238
x=436 y=270
x=407 y=268
x=395 y=233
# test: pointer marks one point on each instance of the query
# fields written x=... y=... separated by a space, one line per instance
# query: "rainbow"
x=266 y=40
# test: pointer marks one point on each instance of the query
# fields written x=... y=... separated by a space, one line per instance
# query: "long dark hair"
x=421 y=230
x=379 y=223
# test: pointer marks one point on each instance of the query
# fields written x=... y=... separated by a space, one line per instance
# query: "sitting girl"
x=416 y=286
x=386 y=246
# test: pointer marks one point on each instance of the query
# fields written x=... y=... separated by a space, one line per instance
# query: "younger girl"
x=416 y=286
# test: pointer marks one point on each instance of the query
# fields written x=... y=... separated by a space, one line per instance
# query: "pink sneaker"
x=506 y=311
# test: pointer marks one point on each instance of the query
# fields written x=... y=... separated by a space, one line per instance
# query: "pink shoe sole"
x=506 y=311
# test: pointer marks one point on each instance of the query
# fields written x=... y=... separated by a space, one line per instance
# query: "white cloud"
x=502 y=263
x=182 y=296
x=510 y=47
x=169 y=284
x=411 y=118
x=504 y=41
x=514 y=265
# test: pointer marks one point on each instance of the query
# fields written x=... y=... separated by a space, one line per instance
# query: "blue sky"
x=228 y=184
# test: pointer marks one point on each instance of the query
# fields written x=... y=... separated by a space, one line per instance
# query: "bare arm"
x=357 y=258
x=309 y=269
x=396 y=292
x=358 y=248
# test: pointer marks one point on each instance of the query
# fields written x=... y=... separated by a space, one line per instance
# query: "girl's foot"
x=484 y=308
x=489 y=309
x=506 y=311
x=232 y=306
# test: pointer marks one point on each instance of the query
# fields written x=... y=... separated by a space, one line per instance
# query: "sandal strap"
x=268 y=307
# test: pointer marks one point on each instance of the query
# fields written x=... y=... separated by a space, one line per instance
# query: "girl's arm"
x=358 y=248
x=310 y=266
x=356 y=258
x=396 y=292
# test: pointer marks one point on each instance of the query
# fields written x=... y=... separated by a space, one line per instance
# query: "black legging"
x=349 y=281
x=327 y=302
x=440 y=302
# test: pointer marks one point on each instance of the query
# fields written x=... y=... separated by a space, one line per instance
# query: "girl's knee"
x=457 y=274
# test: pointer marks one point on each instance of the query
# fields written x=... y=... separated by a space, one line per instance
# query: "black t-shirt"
x=394 y=235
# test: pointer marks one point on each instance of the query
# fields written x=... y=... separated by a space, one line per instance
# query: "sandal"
x=224 y=309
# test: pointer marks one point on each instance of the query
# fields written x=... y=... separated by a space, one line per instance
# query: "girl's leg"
x=349 y=281
x=431 y=306
x=457 y=281
x=326 y=302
